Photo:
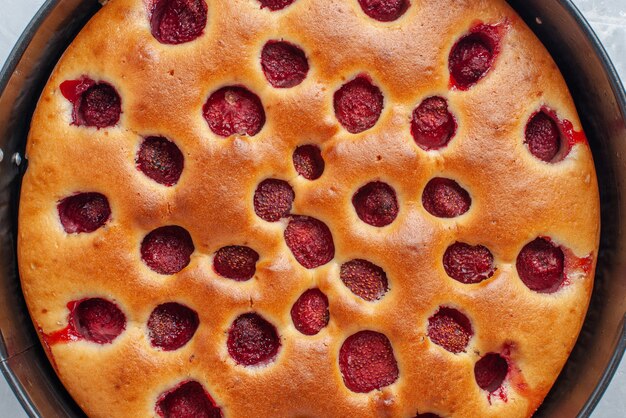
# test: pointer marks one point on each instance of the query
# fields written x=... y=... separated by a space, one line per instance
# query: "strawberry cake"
x=307 y=208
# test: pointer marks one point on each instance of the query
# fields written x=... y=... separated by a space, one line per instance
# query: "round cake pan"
x=601 y=103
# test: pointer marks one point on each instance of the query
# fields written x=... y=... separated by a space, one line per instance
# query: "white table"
x=608 y=18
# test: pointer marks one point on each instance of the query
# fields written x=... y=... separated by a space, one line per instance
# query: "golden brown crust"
x=515 y=198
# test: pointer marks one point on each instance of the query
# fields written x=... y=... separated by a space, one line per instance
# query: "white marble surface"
x=608 y=19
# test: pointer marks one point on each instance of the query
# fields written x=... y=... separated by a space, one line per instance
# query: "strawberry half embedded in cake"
x=473 y=55
x=376 y=204
x=384 y=10
x=84 y=212
x=364 y=279
x=275 y=5
x=273 y=199
x=358 y=104
x=308 y=161
x=236 y=262
x=310 y=241
x=468 y=263
x=490 y=371
x=284 y=64
x=542 y=136
x=444 y=198
x=310 y=312
x=95 y=104
x=171 y=325
x=161 y=160
x=367 y=362
x=167 y=250
x=187 y=400
x=98 y=320
x=450 y=329
x=432 y=125
x=234 y=110
x=540 y=266
x=178 y=21
x=252 y=340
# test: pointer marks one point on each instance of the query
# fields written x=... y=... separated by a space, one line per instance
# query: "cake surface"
x=305 y=208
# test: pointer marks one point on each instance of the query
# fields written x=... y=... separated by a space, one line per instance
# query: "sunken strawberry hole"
x=308 y=161
x=432 y=125
x=450 y=329
x=188 y=400
x=161 y=160
x=384 y=10
x=236 y=262
x=252 y=340
x=540 y=266
x=171 y=325
x=83 y=212
x=310 y=241
x=364 y=279
x=274 y=5
x=427 y=415
x=178 y=21
x=234 y=110
x=98 y=320
x=468 y=263
x=94 y=104
x=490 y=371
x=284 y=64
x=167 y=250
x=367 y=362
x=376 y=204
x=543 y=137
x=310 y=312
x=273 y=199
x=473 y=55
x=444 y=198
x=358 y=104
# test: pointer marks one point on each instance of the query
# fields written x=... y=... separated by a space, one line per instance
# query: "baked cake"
x=307 y=208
